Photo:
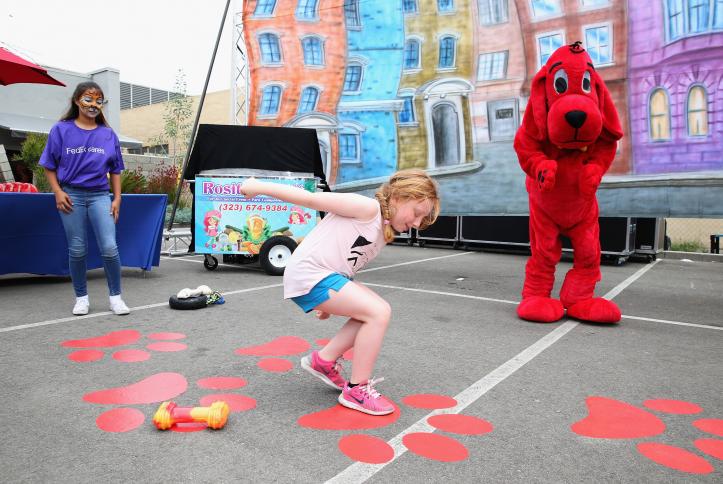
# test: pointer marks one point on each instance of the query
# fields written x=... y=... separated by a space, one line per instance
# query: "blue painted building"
x=369 y=102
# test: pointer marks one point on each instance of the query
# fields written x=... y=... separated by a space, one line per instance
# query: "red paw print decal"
x=281 y=346
x=158 y=388
x=614 y=419
x=122 y=338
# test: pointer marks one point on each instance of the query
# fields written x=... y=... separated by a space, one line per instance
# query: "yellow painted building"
x=442 y=44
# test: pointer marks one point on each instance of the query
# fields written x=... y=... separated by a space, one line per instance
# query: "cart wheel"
x=210 y=262
x=421 y=243
x=275 y=254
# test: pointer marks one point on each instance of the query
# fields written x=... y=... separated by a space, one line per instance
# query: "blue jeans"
x=93 y=206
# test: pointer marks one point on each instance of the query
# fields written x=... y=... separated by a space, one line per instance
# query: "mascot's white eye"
x=561 y=81
x=586 y=81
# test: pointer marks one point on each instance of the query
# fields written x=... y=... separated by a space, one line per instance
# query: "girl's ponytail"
x=383 y=195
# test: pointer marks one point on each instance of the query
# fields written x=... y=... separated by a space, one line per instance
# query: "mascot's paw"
x=540 y=309
x=596 y=310
x=546 y=172
x=590 y=178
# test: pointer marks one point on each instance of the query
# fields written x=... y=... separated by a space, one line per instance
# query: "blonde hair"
x=411 y=184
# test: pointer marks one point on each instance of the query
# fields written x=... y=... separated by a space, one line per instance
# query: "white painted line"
x=619 y=288
x=149 y=306
x=360 y=472
x=414 y=262
x=506 y=301
x=677 y=323
x=443 y=293
x=107 y=313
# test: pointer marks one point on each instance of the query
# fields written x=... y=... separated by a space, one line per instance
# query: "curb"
x=694 y=256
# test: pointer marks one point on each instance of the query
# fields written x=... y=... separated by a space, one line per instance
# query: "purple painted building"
x=676 y=85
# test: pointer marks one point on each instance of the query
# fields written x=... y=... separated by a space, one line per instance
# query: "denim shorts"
x=320 y=292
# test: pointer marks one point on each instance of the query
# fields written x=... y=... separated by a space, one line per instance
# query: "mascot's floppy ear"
x=535 y=120
x=610 y=120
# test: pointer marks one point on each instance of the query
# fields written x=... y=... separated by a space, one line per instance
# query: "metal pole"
x=198 y=115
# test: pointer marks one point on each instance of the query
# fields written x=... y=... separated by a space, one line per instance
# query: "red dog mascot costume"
x=566 y=143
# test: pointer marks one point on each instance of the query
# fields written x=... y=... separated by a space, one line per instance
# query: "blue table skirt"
x=32 y=239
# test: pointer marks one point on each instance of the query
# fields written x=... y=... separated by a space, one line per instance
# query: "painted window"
x=598 y=44
x=349 y=147
x=309 y=96
x=545 y=8
x=270 y=51
x=697 y=16
x=446 y=51
x=306 y=9
x=445 y=5
x=313 y=51
x=411 y=54
x=594 y=3
x=492 y=66
x=409 y=6
x=659 y=116
x=492 y=11
x=270 y=100
x=692 y=17
x=547 y=44
x=264 y=8
x=352 y=78
x=351 y=13
x=697 y=111
x=675 y=19
x=406 y=115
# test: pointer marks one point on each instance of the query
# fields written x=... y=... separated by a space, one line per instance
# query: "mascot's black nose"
x=575 y=118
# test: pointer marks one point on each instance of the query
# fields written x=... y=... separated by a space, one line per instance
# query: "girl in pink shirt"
x=319 y=274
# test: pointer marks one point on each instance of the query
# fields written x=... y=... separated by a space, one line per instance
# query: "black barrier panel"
x=444 y=228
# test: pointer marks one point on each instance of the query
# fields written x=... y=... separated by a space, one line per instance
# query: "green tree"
x=31 y=149
x=29 y=155
x=177 y=118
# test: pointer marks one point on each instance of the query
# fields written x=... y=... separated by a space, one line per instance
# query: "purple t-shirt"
x=82 y=158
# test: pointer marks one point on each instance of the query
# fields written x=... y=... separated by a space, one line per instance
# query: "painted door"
x=503 y=119
x=445 y=126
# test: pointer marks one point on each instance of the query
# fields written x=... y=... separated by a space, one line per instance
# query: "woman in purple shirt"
x=81 y=151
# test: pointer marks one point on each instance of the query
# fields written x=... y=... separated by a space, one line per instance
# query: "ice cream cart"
x=245 y=230
x=224 y=222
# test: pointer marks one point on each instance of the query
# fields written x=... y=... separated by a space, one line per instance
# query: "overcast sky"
x=146 y=40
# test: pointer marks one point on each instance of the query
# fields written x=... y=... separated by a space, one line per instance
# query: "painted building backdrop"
x=442 y=85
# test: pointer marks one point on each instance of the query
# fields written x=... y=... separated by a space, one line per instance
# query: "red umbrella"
x=14 y=69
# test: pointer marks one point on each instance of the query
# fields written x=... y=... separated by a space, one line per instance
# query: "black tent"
x=256 y=147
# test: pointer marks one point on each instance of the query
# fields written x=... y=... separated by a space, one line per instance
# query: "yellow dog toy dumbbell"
x=169 y=414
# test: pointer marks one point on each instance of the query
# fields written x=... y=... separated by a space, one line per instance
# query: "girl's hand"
x=322 y=314
x=115 y=208
x=251 y=187
x=63 y=202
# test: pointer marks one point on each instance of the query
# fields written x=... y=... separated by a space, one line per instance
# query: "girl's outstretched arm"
x=345 y=204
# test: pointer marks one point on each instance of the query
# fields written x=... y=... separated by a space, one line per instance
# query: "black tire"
x=275 y=254
x=193 y=302
x=210 y=262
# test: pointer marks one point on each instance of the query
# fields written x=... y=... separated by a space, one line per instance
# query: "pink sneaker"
x=327 y=371
x=365 y=398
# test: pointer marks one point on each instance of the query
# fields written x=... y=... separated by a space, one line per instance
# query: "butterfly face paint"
x=91 y=102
